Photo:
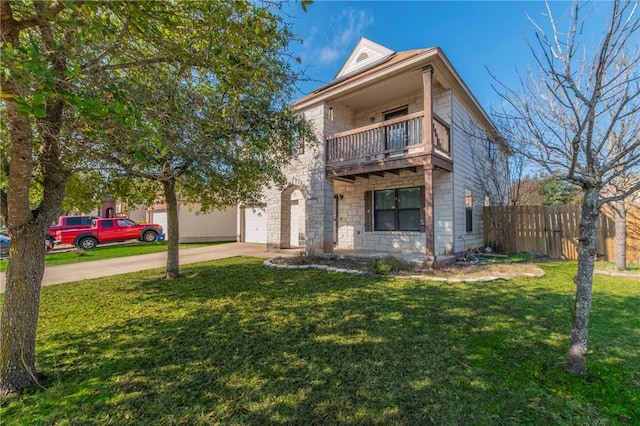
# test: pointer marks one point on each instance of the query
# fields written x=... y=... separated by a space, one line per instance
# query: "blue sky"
x=475 y=35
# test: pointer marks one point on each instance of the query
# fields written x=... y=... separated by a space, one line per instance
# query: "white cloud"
x=349 y=25
x=328 y=55
x=325 y=45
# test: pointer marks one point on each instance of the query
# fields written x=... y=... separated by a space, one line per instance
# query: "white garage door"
x=255 y=225
x=160 y=218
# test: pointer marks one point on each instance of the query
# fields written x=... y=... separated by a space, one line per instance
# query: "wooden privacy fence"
x=553 y=231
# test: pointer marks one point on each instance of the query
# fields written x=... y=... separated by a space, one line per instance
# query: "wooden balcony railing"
x=388 y=139
x=441 y=135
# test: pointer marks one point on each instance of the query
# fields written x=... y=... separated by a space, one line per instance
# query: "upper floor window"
x=468 y=203
x=490 y=149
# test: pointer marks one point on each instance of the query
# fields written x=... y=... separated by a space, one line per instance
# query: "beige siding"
x=463 y=172
x=306 y=173
x=351 y=234
x=442 y=103
x=138 y=214
x=218 y=225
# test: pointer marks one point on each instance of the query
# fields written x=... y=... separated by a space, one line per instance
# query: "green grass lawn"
x=109 y=252
x=611 y=266
x=234 y=343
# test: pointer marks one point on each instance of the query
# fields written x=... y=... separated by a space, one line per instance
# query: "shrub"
x=387 y=265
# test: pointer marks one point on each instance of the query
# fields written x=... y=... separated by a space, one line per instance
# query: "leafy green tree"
x=87 y=189
x=557 y=191
x=203 y=144
x=63 y=64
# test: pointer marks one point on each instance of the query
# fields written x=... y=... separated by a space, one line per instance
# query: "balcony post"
x=427 y=125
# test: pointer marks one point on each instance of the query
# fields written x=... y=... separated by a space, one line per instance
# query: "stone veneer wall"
x=443 y=212
x=414 y=103
x=351 y=233
x=306 y=173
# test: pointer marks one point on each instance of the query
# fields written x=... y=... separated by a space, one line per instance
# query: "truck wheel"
x=87 y=243
x=48 y=245
x=149 y=236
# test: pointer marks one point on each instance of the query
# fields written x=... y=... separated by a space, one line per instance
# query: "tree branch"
x=39 y=19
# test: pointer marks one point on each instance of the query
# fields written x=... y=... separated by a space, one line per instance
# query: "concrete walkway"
x=123 y=265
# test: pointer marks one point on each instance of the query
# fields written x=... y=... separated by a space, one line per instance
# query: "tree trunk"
x=22 y=294
x=620 y=215
x=26 y=254
x=173 y=233
x=27 y=227
x=587 y=239
x=20 y=311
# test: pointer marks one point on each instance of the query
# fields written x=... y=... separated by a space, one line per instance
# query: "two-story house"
x=393 y=170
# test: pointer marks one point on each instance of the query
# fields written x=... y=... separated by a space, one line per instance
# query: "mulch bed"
x=499 y=270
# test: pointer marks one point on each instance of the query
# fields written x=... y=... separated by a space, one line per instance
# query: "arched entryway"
x=293 y=217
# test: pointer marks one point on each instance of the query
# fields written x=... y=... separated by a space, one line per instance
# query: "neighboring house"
x=110 y=207
x=393 y=171
x=194 y=226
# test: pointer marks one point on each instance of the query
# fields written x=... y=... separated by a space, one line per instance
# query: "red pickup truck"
x=109 y=230
x=69 y=222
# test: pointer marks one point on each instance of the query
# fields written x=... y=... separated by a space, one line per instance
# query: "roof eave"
x=318 y=95
x=325 y=93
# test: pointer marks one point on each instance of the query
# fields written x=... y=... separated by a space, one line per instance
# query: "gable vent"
x=361 y=57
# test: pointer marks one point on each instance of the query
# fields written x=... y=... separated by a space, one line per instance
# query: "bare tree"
x=498 y=171
x=530 y=192
x=563 y=116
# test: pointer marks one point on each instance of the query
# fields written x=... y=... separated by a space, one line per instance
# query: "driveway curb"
x=122 y=265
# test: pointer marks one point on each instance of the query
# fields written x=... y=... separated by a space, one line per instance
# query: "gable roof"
x=365 y=71
x=363 y=55
x=351 y=76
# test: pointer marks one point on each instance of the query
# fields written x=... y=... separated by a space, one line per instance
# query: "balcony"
x=388 y=141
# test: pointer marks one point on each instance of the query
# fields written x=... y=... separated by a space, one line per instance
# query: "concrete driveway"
x=123 y=265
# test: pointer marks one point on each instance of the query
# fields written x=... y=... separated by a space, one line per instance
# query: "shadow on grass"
x=234 y=343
